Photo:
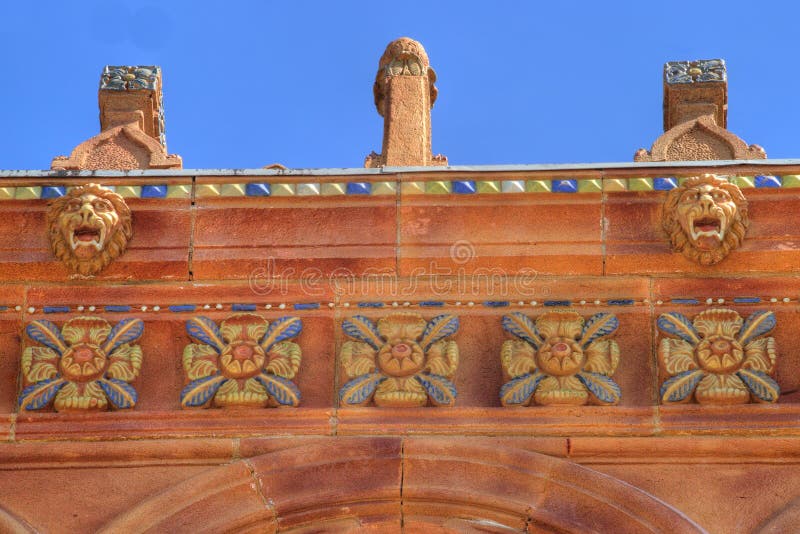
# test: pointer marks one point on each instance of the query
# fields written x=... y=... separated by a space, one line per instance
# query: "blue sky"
x=250 y=83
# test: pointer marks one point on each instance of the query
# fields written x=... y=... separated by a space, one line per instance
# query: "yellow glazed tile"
x=438 y=187
x=412 y=188
x=487 y=187
x=333 y=189
x=129 y=191
x=179 y=191
x=615 y=184
x=232 y=190
x=589 y=186
x=25 y=193
x=6 y=192
x=384 y=188
x=538 y=186
x=640 y=184
x=308 y=189
x=282 y=190
x=744 y=182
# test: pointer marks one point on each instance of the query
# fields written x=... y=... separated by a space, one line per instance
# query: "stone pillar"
x=404 y=94
x=131 y=125
x=696 y=116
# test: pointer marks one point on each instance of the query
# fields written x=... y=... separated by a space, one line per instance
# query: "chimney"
x=131 y=125
x=404 y=94
x=696 y=116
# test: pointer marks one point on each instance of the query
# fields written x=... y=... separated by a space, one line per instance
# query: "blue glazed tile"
x=746 y=300
x=496 y=303
x=306 y=306
x=768 y=181
x=370 y=304
x=55 y=309
x=257 y=190
x=684 y=301
x=53 y=191
x=243 y=307
x=183 y=308
x=464 y=187
x=664 y=184
x=621 y=302
x=117 y=309
x=154 y=191
x=557 y=303
x=359 y=188
x=3 y=308
x=564 y=186
x=431 y=303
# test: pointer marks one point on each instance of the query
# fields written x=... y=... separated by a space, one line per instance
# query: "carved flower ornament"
x=84 y=366
x=718 y=357
x=560 y=360
x=403 y=361
x=246 y=361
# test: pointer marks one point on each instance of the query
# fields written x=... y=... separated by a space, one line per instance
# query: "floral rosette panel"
x=560 y=359
x=87 y=365
x=718 y=358
x=245 y=361
x=403 y=361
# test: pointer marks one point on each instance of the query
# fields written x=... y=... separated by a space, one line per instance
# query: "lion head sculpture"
x=89 y=228
x=705 y=218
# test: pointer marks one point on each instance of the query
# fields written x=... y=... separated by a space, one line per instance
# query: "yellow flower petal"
x=244 y=327
x=721 y=389
x=718 y=321
x=676 y=356
x=560 y=324
x=516 y=357
x=92 y=330
x=357 y=358
x=125 y=362
x=39 y=361
x=760 y=355
x=285 y=359
x=602 y=357
x=199 y=361
x=399 y=326
x=443 y=358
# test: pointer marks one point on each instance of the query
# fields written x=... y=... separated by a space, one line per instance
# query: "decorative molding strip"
x=426 y=304
x=439 y=187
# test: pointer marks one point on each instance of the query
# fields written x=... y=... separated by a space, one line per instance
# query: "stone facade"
x=413 y=349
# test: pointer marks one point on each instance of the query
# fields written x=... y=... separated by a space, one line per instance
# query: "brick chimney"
x=404 y=94
x=131 y=125
x=696 y=116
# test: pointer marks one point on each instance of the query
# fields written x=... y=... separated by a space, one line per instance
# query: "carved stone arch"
x=11 y=524
x=120 y=148
x=700 y=139
x=783 y=520
x=402 y=485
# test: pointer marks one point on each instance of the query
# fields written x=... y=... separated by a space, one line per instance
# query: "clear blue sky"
x=249 y=83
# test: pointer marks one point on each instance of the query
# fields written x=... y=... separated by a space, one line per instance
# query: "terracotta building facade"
x=411 y=346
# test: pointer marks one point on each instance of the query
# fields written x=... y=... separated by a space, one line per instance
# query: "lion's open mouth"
x=707 y=227
x=85 y=236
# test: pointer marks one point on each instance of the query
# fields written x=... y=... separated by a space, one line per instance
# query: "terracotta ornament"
x=403 y=361
x=696 y=116
x=89 y=227
x=705 y=218
x=86 y=366
x=718 y=358
x=131 y=124
x=404 y=93
x=560 y=360
x=246 y=361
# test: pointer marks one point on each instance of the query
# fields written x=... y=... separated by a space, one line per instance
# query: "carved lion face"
x=705 y=218
x=89 y=227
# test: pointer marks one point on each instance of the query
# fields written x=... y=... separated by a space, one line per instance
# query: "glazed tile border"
x=422 y=304
x=438 y=187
